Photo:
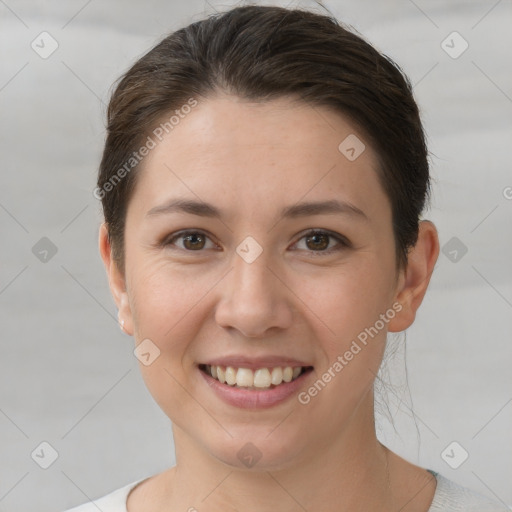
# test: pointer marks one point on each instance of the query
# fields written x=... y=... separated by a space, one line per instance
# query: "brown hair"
x=261 y=53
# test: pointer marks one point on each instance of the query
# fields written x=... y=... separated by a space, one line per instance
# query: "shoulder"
x=112 y=502
x=452 y=497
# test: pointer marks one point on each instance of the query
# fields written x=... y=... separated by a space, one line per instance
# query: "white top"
x=449 y=497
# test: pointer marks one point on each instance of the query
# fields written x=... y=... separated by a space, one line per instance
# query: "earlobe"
x=116 y=281
x=416 y=277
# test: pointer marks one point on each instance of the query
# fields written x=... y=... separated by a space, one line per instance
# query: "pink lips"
x=250 y=398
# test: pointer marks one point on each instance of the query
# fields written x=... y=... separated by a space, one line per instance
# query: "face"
x=245 y=281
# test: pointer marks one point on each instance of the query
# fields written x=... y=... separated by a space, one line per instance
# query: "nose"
x=254 y=299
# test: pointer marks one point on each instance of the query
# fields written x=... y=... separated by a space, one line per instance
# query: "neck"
x=349 y=473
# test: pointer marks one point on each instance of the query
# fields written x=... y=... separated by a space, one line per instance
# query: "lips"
x=254 y=397
x=255 y=382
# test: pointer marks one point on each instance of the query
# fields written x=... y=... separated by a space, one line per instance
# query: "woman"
x=262 y=182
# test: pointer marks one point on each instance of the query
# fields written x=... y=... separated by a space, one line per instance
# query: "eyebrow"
x=306 y=209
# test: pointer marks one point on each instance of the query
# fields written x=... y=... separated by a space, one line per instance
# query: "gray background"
x=68 y=375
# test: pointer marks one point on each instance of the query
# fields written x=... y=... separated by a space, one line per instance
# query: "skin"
x=251 y=160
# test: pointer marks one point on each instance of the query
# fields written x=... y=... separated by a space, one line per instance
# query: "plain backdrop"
x=68 y=376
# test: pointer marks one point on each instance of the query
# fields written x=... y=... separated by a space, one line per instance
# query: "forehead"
x=254 y=154
x=235 y=126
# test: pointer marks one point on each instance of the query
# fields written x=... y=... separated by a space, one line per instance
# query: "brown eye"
x=194 y=241
x=317 y=241
x=191 y=241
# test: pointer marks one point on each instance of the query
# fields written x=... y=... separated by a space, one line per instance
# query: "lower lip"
x=252 y=399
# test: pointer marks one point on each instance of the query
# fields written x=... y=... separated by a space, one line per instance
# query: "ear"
x=414 y=280
x=116 y=280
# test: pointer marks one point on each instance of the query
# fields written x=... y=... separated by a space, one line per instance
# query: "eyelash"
x=343 y=243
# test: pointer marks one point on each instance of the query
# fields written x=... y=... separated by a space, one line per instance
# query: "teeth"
x=277 y=376
x=261 y=378
x=244 y=377
x=231 y=376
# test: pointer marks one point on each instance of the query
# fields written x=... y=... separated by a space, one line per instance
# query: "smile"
x=258 y=379
x=256 y=382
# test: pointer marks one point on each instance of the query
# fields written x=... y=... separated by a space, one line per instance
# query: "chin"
x=260 y=452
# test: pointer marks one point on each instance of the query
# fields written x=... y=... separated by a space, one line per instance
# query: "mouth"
x=258 y=379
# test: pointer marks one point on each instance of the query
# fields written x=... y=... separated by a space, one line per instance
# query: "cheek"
x=348 y=304
x=166 y=298
x=345 y=301
x=167 y=309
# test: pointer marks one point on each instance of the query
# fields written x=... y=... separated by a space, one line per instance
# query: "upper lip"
x=254 y=363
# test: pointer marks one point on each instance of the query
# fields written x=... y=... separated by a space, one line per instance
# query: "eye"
x=318 y=241
x=192 y=240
